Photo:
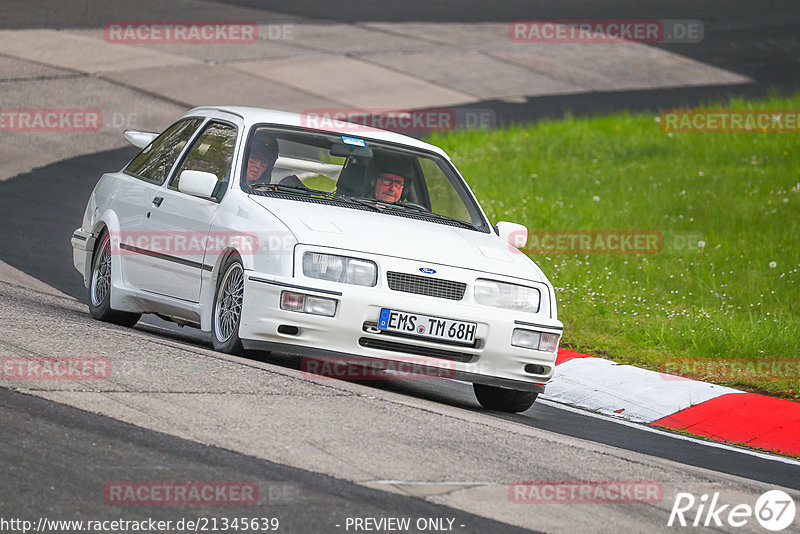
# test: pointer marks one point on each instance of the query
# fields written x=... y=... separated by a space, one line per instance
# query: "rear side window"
x=211 y=152
x=154 y=162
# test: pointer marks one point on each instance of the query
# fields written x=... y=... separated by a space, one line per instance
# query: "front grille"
x=381 y=344
x=423 y=285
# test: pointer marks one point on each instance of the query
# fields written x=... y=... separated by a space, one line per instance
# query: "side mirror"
x=139 y=138
x=197 y=183
x=514 y=234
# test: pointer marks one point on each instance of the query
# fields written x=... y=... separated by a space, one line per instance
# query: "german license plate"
x=420 y=325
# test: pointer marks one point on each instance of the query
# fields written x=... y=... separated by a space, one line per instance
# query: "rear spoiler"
x=139 y=138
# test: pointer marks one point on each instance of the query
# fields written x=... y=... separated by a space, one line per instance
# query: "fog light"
x=549 y=342
x=300 y=302
x=320 y=306
x=529 y=339
x=525 y=339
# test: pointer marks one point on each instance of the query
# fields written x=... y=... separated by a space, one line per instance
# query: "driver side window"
x=211 y=152
x=154 y=162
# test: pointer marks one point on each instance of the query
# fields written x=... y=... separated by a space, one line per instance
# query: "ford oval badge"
x=427 y=270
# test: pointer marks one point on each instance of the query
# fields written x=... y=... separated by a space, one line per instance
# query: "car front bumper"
x=82 y=248
x=352 y=336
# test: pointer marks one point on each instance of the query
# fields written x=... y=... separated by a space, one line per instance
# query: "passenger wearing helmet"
x=261 y=159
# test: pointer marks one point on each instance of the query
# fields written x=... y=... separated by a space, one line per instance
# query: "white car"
x=348 y=244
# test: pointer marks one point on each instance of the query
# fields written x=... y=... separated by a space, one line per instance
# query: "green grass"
x=706 y=309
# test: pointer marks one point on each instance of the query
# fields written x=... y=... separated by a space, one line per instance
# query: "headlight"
x=340 y=269
x=504 y=295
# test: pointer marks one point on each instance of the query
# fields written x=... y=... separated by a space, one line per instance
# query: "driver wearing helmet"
x=391 y=180
x=389 y=187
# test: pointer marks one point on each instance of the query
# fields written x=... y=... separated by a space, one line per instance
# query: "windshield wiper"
x=412 y=206
x=425 y=212
x=372 y=204
x=434 y=215
x=281 y=188
x=379 y=205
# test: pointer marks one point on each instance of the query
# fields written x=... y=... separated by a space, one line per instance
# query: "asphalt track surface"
x=36 y=240
x=48 y=443
x=760 y=40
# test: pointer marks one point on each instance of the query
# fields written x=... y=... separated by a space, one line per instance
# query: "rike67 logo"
x=774 y=510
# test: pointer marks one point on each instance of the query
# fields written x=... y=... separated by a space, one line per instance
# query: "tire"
x=504 y=400
x=99 y=295
x=227 y=311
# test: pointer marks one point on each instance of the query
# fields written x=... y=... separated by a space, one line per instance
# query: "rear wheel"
x=100 y=287
x=504 y=400
x=228 y=307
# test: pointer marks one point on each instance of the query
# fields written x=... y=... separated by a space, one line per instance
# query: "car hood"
x=403 y=237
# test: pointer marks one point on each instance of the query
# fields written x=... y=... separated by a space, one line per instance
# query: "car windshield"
x=357 y=173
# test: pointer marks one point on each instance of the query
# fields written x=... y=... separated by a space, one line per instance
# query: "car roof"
x=259 y=115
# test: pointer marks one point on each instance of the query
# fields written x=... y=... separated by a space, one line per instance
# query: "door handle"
x=157 y=201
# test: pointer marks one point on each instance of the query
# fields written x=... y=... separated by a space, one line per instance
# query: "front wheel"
x=504 y=400
x=100 y=288
x=228 y=307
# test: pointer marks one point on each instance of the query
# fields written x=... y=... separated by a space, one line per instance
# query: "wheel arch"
x=108 y=223
x=97 y=229
x=209 y=288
